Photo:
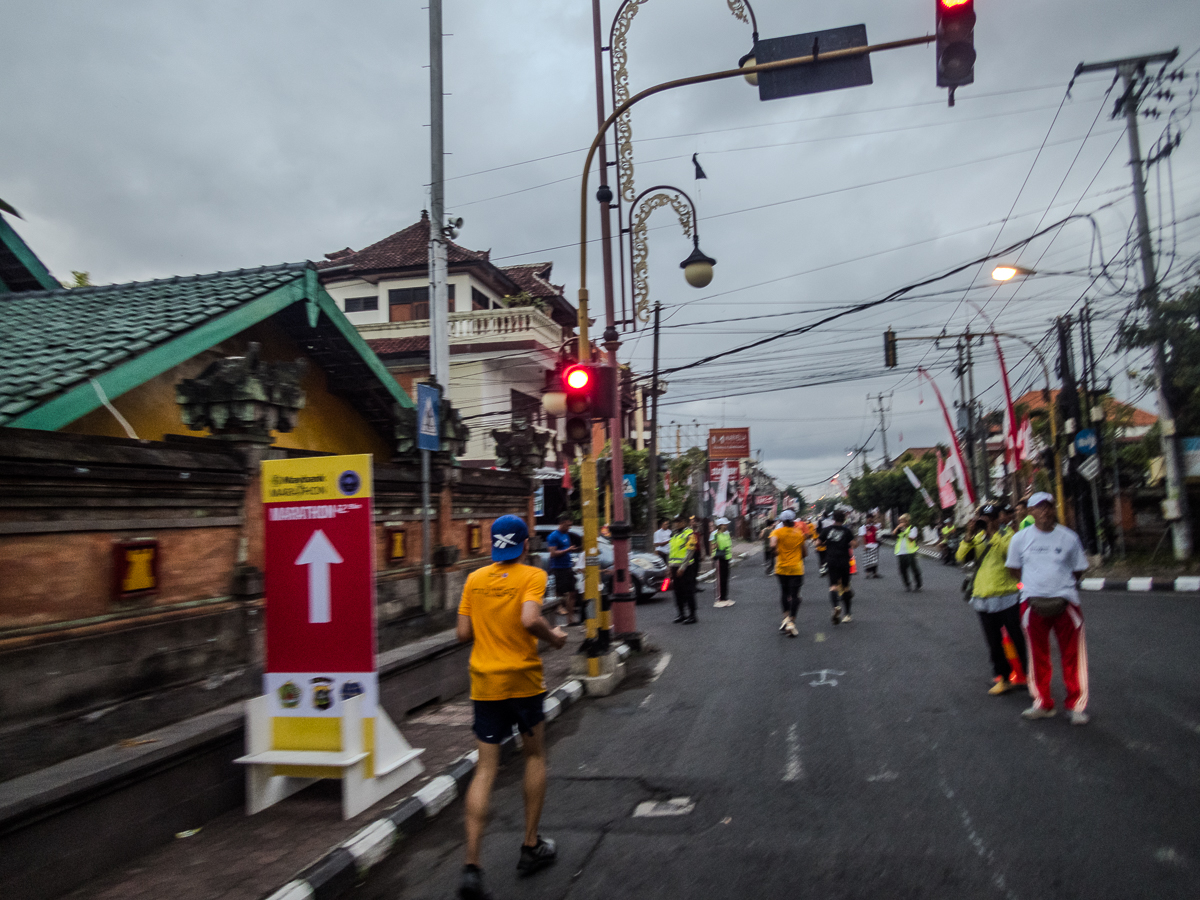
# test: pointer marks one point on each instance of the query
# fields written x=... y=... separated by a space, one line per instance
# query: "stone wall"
x=81 y=667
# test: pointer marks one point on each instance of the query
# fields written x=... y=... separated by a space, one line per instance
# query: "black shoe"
x=471 y=887
x=680 y=619
x=690 y=620
x=532 y=859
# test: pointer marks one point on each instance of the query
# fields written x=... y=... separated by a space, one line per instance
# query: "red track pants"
x=1072 y=647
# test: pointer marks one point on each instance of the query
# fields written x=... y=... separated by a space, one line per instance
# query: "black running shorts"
x=494 y=719
x=839 y=573
x=564 y=581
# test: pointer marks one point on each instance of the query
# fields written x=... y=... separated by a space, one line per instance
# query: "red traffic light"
x=950 y=4
x=577 y=378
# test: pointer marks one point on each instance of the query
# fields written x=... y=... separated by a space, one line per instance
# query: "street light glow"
x=1008 y=273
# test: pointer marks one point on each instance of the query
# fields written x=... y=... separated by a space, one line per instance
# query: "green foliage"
x=1176 y=323
x=890 y=489
x=77 y=280
x=524 y=298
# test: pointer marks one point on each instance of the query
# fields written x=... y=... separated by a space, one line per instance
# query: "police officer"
x=683 y=570
x=722 y=547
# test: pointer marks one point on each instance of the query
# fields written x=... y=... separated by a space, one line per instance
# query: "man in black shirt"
x=839 y=541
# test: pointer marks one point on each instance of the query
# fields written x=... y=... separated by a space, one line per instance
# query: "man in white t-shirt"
x=662 y=538
x=1048 y=560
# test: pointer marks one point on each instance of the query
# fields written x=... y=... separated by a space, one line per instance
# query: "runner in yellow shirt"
x=501 y=611
x=790 y=543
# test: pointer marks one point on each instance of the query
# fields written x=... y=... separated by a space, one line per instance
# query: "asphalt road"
x=893 y=774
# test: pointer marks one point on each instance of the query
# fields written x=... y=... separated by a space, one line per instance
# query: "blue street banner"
x=630 y=485
x=428 y=407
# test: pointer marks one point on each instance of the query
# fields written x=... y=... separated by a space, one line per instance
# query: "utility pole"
x=887 y=461
x=439 y=312
x=652 y=481
x=624 y=610
x=1175 y=509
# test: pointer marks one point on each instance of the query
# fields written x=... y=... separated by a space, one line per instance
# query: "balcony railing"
x=480 y=326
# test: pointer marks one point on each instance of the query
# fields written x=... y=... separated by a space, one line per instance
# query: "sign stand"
x=320 y=715
x=428 y=441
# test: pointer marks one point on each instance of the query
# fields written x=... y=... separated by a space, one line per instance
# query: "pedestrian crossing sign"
x=427 y=417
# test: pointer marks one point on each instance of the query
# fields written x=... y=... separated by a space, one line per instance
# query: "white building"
x=508 y=326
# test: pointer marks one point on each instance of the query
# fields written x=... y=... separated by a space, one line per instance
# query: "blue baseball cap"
x=509 y=534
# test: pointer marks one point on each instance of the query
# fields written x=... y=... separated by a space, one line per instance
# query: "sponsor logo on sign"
x=289 y=695
x=349 y=483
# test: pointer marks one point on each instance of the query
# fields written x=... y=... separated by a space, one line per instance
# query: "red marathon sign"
x=320 y=585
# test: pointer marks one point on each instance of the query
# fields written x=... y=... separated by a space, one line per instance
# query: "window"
x=412 y=304
x=361 y=304
x=480 y=300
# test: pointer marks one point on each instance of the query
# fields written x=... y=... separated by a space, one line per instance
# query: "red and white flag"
x=1024 y=440
x=945 y=484
x=1012 y=455
x=956 y=457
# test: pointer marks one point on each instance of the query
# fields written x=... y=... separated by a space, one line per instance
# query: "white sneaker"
x=837 y=615
x=783 y=626
x=792 y=630
x=1079 y=717
x=1037 y=712
x=847 y=618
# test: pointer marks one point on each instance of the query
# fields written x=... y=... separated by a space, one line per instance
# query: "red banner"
x=728 y=443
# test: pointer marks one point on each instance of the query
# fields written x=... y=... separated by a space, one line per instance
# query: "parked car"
x=647 y=571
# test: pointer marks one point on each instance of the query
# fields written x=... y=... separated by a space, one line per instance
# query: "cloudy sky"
x=147 y=139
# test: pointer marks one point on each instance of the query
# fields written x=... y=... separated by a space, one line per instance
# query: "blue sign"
x=1086 y=442
x=630 y=485
x=428 y=406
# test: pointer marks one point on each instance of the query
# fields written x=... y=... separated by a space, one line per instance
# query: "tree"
x=890 y=489
x=1175 y=321
x=77 y=280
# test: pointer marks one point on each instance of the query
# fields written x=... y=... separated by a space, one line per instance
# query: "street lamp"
x=626 y=191
x=697 y=268
x=1008 y=273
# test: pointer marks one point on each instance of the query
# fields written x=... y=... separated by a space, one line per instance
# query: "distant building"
x=508 y=325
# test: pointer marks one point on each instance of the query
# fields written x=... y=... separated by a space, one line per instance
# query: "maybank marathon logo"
x=298 y=486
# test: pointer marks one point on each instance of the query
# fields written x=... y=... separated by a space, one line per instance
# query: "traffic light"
x=955 y=44
x=889 y=349
x=588 y=390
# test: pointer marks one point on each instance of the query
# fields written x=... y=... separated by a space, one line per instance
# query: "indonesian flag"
x=956 y=457
x=1024 y=440
x=836 y=482
x=945 y=484
x=1012 y=453
x=721 y=500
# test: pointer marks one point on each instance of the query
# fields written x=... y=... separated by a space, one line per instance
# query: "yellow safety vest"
x=680 y=544
x=724 y=543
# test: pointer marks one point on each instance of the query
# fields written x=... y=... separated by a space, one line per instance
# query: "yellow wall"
x=327 y=423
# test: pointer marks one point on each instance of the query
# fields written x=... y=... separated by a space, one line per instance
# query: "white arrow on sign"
x=318 y=554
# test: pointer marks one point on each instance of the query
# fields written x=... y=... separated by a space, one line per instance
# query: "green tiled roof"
x=52 y=343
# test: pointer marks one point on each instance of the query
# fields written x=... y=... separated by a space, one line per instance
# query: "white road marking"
x=676 y=806
x=988 y=856
x=660 y=667
x=1169 y=855
x=824 y=679
x=794 y=769
x=885 y=775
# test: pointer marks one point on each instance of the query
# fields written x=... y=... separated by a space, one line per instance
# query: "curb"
x=347 y=864
x=1184 y=583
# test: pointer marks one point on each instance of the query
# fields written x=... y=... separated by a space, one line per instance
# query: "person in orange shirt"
x=790 y=543
x=501 y=611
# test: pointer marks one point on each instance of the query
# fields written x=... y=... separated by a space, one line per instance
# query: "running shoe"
x=1079 y=717
x=847 y=618
x=471 y=887
x=792 y=630
x=1037 y=712
x=783 y=626
x=542 y=854
x=690 y=620
x=1001 y=686
x=837 y=615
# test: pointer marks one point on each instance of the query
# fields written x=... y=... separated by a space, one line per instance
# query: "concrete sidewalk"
x=239 y=857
